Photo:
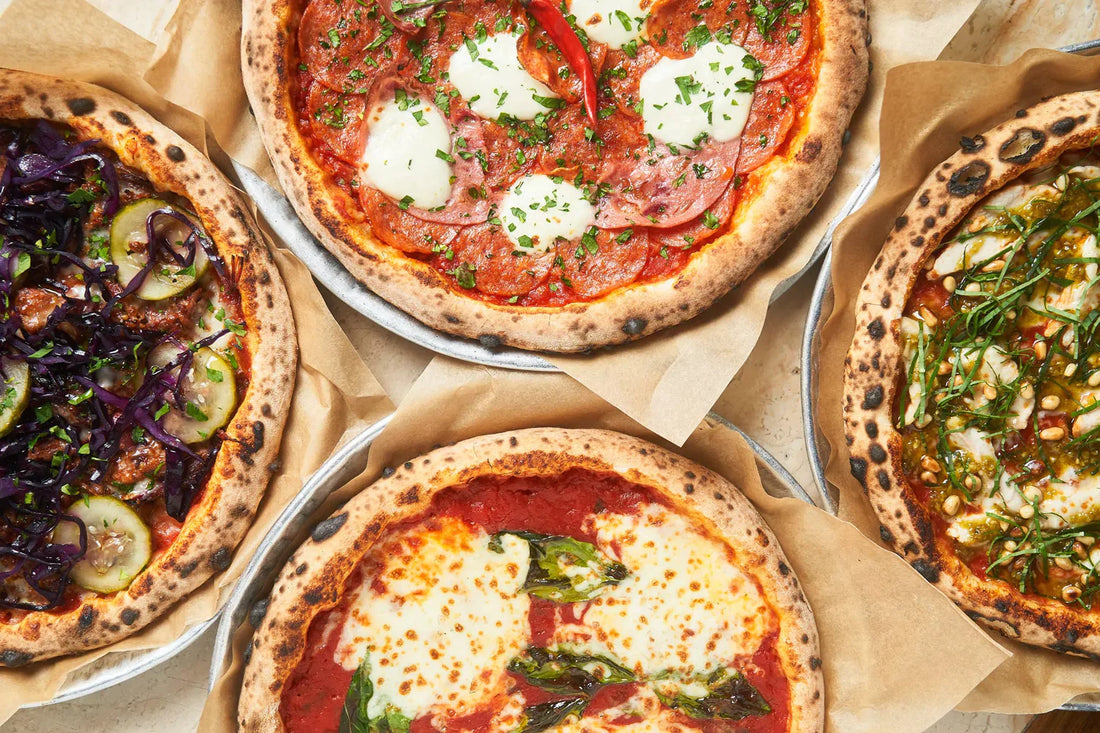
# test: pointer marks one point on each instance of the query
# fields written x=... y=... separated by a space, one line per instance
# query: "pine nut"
x=1064 y=562
x=990 y=392
x=1051 y=402
x=951 y=505
x=1027 y=511
x=930 y=464
x=928 y=317
x=972 y=288
x=949 y=284
x=928 y=477
x=1010 y=546
x=1094 y=379
x=1040 y=350
x=1070 y=369
x=1054 y=433
x=1071 y=593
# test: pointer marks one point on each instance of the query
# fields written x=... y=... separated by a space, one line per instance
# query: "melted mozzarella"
x=999 y=371
x=400 y=157
x=538 y=210
x=447 y=625
x=963 y=253
x=683 y=609
x=489 y=76
x=1072 y=499
x=683 y=99
x=612 y=22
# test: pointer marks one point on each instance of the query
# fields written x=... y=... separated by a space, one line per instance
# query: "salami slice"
x=342 y=45
x=665 y=187
x=596 y=266
x=770 y=119
x=486 y=251
x=336 y=118
x=691 y=235
x=677 y=32
x=785 y=45
x=402 y=229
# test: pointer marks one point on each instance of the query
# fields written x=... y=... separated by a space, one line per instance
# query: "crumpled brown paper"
x=335 y=394
x=885 y=667
x=668 y=381
x=927 y=108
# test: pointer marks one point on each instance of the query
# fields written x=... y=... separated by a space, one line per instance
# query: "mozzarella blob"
x=612 y=22
x=538 y=210
x=400 y=157
x=447 y=626
x=491 y=79
x=684 y=99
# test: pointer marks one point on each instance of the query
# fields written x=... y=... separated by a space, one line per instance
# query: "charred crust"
x=1022 y=147
x=689 y=489
x=634 y=326
x=187 y=569
x=872 y=397
x=815 y=662
x=257 y=612
x=313 y=597
x=247 y=654
x=489 y=341
x=326 y=528
x=80 y=106
x=221 y=559
x=878 y=453
x=1063 y=126
x=969 y=179
x=971 y=144
x=886 y=535
x=871 y=428
x=883 y=479
x=388 y=471
x=783 y=569
x=858 y=467
x=122 y=118
x=928 y=571
x=87 y=618
x=129 y=616
x=810 y=150
x=409 y=496
x=513 y=441
x=900 y=222
x=876 y=329
x=12 y=658
x=301 y=569
x=175 y=153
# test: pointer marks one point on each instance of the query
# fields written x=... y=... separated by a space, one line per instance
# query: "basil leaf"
x=548 y=714
x=567 y=674
x=355 y=718
x=728 y=695
x=563 y=569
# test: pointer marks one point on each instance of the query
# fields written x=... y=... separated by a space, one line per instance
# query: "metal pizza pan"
x=255 y=583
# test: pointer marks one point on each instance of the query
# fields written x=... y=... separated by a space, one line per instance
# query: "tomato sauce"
x=314 y=694
x=346 y=50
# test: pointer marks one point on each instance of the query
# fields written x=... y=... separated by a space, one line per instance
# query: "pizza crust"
x=247 y=458
x=313 y=578
x=793 y=184
x=873 y=368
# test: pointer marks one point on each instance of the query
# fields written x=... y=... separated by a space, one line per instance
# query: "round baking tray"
x=821 y=306
x=289 y=528
x=329 y=272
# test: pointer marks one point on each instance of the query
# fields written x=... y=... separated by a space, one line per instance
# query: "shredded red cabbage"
x=49 y=187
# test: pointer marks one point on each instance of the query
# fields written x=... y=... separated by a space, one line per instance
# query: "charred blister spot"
x=872 y=397
x=175 y=153
x=971 y=144
x=80 y=106
x=886 y=535
x=883 y=479
x=266 y=410
x=923 y=199
x=689 y=489
x=313 y=597
x=221 y=559
x=783 y=569
x=452 y=319
x=871 y=427
x=247 y=654
x=876 y=329
x=886 y=300
x=326 y=528
x=1063 y=126
x=968 y=179
x=129 y=616
x=489 y=341
x=409 y=496
x=86 y=618
x=815 y=662
x=878 y=454
x=257 y=612
x=301 y=569
x=634 y=326
x=1021 y=113
x=388 y=471
x=1001 y=605
x=810 y=150
x=858 y=467
x=122 y=118
x=1022 y=147
x=11 y=658
x=927 y=570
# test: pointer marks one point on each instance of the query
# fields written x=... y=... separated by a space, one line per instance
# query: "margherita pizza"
x=544 y=579
x=547 y=179
x=147 y=357
x=972 y=386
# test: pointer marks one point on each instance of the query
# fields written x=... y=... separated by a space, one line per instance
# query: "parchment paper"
x=928 y=106
x=667 y=381
x=886 y=668
x=335 y=394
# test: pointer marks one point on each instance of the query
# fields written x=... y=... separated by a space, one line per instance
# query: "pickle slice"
x=209 y=394
x=119 y=543
x=129 y=239
x=15 y=392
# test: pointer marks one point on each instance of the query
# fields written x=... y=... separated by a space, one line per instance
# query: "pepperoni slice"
x=402 y=229
x=613 y=264
x=676 y=33
x=770 y=119
x=344 y=46
x=786 y=45
x=664 y=188
x=691 y=235
x=469 y=202
x=336 y=118
x=486 y=250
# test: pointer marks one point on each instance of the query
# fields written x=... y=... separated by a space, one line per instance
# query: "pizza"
x=147 y=358
x=971 y=386
x=553 y=180
x=541 y=579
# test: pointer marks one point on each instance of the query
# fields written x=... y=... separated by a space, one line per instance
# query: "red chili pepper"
x=565 y=38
